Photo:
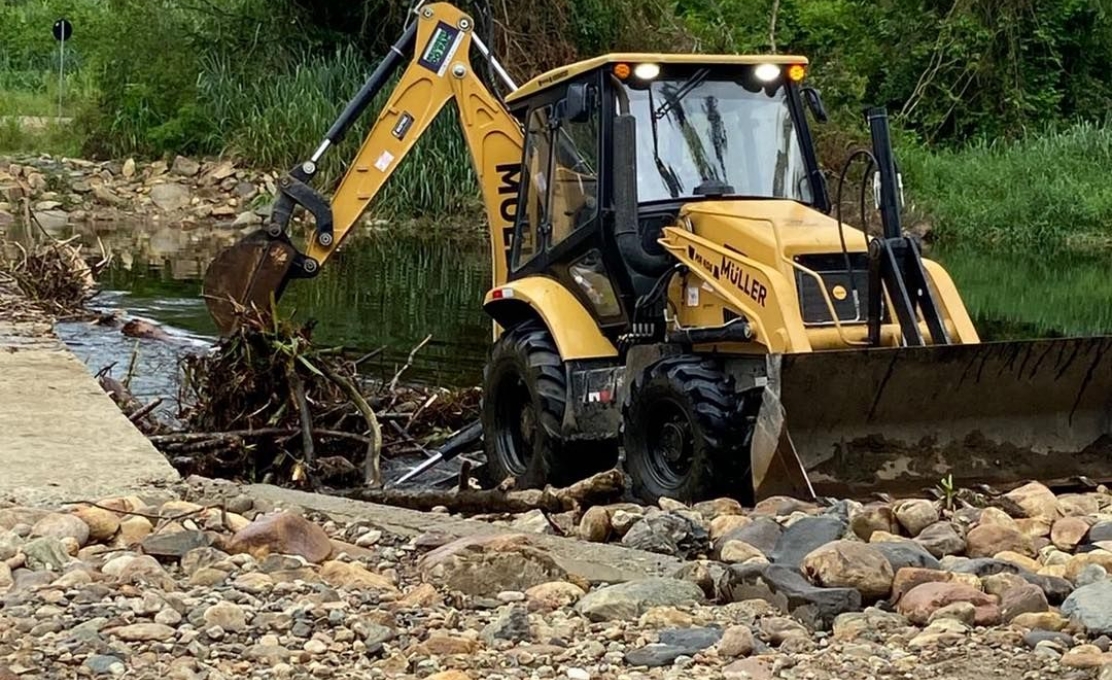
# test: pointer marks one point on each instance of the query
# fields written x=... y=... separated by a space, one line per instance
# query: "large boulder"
x=1034 y=500
x=803 y=536
x=170 y=197
x=850 y=564
x=923 y=600
x=762 y=533
x=283 y=533
x=902 y=554
x=986 y=540
x=916 y=514
x=677 y=532
x=941 y=539
x=487 y=565
x=625 y=601
x=1091 y=607
x=1068 y=532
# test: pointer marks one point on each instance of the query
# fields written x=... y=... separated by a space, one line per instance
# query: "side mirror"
x=814 y=103
x=577 y=103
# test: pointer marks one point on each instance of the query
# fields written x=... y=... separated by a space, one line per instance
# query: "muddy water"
x=391 y=293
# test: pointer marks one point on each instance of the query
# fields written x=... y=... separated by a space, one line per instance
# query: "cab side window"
x=575 y=177
x=534 y=221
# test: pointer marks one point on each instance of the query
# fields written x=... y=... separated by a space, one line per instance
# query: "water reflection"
x=378 y=292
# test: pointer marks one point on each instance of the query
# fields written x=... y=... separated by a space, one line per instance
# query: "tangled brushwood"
x=52 y=275
x=267 y=404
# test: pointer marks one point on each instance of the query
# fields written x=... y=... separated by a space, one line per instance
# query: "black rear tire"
x=685 y=434
x=524 y=397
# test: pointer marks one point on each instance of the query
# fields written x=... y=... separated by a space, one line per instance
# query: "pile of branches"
x=52 y=275
x=267 y=404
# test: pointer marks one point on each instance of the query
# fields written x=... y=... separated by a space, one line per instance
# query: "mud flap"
x=245 y=275
x=902 y=419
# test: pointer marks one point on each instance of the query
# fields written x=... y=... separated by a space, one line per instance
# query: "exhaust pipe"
x=626 y=231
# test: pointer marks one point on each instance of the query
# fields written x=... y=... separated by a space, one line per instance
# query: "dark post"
x=886 y=166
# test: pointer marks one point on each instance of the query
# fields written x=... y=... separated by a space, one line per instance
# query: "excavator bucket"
x=245 y=275
x=903 y=419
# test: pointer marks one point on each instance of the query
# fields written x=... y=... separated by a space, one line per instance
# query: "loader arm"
x=438 y=45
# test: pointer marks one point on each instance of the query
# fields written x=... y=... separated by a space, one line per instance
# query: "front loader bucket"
x=245 y=275
x=902 y=419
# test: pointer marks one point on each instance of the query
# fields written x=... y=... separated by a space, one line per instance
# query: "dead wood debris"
x=51 y=274
x=266 y=404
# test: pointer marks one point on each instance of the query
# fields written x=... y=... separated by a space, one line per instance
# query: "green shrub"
x=1043 y=190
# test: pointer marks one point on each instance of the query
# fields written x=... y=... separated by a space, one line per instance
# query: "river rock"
x=143 y=632
x=554 y=595
x=998 y=584
x=691 y=639
x=46 y=554
x=1024 y=562
x=941 y=539
x=200 y=558
x=487 y=565
x=676 y=532
x=353 y=575
x=1079 y=504
x=737 y=641
x=128 y=170
x=58 y=525
x=923 y=600
x=1034 y=527
x=964 y=612
x=1099 y=531
x=986 y=540
x=1068 y=532
x=906 y=554
x=186 y=167
x=787 y=589
x=629 y=600
x=872 y=625
x=173 y=546
x=1091 y=607
x=996 y=517
x=850 y=564
x=762 y=533
x=721 y=526
x=1048 y=620
x=511 y=624
x=1025 y=599
x=916 y=514
x=227 y=615
x=133 y=530
x=874 y=518
x=655 y=655
x=979 y=566
x=283 y=533
x=1035 y=500
x=170 y=196
x=718 y=507
x=804 y=536
x=1079 y=561
x=103 y=524
x=738 y=551
x=622 y=520
x=1093 y=573
x=595 y=525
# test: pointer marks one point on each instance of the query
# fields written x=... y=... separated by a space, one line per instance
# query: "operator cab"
x=705 y=128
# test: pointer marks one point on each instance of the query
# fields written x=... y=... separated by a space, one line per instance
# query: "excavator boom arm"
x=438 y=43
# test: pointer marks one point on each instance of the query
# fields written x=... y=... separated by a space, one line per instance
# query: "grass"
x=54 y=139
x=279 y=121
x=1048 y=189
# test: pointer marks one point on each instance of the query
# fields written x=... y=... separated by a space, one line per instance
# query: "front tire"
x=524 y=397
x=684 y=434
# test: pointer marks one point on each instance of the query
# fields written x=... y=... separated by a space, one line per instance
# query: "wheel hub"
x=671 y=442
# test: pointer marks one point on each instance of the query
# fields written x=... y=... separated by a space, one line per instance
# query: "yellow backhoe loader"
x=669 y=283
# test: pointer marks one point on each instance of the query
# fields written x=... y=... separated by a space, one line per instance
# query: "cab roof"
x=559 y=74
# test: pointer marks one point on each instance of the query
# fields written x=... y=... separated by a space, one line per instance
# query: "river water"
x=393 y=291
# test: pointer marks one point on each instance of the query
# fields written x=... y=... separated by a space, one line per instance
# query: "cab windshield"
x=717 y=131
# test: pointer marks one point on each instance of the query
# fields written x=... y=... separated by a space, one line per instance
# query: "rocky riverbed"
x=205 y=580
x=184 y=192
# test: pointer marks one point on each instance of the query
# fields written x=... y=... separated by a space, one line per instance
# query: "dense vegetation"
x=975 y=86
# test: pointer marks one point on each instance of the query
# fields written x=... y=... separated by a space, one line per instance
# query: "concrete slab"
x=595 y=562
x=62 y=438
